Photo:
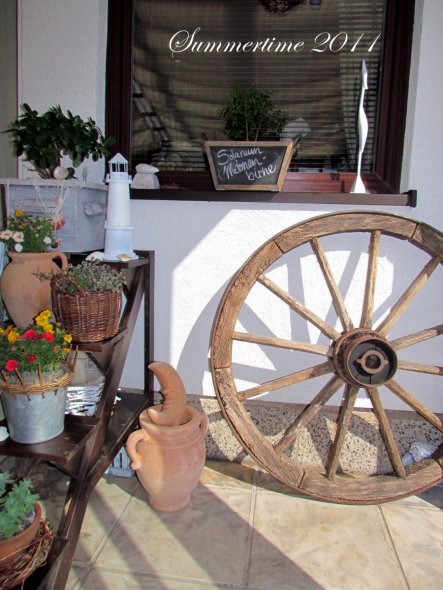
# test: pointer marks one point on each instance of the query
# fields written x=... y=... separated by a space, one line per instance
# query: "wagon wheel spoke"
x=420 y=408
x=371 y=277
x=281 y=343
x=299 y=307
x=417 y=337
x=403 y=302
x=420 y=368
x=386 y=432
x=309 y=412
x=337 y=299
x=343 y=422
x=292 y=379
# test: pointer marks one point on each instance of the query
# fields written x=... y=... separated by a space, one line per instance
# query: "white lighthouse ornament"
x=118 y=225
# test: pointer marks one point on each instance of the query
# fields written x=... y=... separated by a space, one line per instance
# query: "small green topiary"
x=16 y=505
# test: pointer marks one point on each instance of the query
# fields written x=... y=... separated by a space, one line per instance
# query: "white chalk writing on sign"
x=245 y=165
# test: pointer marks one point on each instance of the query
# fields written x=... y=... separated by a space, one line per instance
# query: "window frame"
x=391 y=119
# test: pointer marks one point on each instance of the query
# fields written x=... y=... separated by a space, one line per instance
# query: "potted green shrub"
x=44 y=139
x=254 y=158
x=20 y=516
x=250 y=115
x=87 y=300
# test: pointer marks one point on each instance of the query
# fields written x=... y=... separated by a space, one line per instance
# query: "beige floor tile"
x=106 y=504
x=308 y=545
x=207 y=540
x=107 y=579
x=417 y=535
x=432 y=498
x=226 y=474
x=77 y=575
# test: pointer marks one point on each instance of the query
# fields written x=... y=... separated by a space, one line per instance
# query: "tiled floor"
x=243 y=531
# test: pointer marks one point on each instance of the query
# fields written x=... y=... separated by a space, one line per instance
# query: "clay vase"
x=169 y=460
x=23 y=293
x=11 y=549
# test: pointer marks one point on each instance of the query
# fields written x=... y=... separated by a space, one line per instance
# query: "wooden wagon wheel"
x=357 y=357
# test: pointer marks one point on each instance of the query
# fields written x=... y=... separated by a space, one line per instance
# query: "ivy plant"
x=44 y=139
x=250 y=113
x=16 y=504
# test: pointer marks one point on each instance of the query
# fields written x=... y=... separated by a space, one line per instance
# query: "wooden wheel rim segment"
x=358 y=358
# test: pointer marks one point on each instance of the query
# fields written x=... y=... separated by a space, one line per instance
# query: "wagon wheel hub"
x=364 y=358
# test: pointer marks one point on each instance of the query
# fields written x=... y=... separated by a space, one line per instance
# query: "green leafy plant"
x=27 y=233
x=42 y=347
x=91 y=276
x=249 y=113
x=44 y=139
x=16 y=505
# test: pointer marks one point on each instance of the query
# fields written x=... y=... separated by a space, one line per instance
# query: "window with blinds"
x=189 y=56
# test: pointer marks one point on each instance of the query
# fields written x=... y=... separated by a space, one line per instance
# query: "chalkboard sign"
x=247 y=165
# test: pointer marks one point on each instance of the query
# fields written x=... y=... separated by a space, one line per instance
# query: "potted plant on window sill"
x=43 y=139
x=24 y=536
x=253 y=158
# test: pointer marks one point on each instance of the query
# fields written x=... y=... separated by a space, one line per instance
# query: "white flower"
x=18 y=247
x=47 y=240
x=18 y=236
x=6 y=234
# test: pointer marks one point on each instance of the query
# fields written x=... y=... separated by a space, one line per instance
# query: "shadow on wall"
x=199 y=247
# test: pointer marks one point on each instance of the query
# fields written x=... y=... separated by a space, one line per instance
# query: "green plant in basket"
x=16 y=505
x=87 y=300
x=90 y=276
x=41 y=348
x=27 y=233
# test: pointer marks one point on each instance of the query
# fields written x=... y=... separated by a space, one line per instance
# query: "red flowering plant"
x=40 y=348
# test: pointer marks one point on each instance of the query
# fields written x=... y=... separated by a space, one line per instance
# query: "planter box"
x=81 y=204
x=248 y=165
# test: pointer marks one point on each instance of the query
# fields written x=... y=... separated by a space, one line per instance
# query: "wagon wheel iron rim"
x=359 y=357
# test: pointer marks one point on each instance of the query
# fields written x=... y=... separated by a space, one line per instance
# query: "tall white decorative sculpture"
x=358 y=186
x=118 y=225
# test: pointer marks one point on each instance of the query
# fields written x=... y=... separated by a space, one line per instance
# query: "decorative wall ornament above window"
x=280 y=5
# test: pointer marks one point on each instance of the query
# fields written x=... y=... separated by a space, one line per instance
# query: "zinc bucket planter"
x=35 y=410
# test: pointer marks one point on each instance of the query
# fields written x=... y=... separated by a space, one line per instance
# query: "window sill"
x=307 y=188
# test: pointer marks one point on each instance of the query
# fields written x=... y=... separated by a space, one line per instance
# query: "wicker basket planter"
x=88 y=316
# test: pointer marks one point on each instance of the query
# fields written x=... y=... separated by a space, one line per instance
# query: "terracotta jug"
x=24 y=294
x=169 y=459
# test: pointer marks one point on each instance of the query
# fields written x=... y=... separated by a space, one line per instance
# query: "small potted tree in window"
x=253 y=159
x=250 y=115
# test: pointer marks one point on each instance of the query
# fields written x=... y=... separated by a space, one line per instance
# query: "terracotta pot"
x=169 y=459
x=11 y=549
x=24 y=294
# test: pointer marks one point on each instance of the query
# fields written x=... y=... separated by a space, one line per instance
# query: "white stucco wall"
x=200 y=245
x=62 y=58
